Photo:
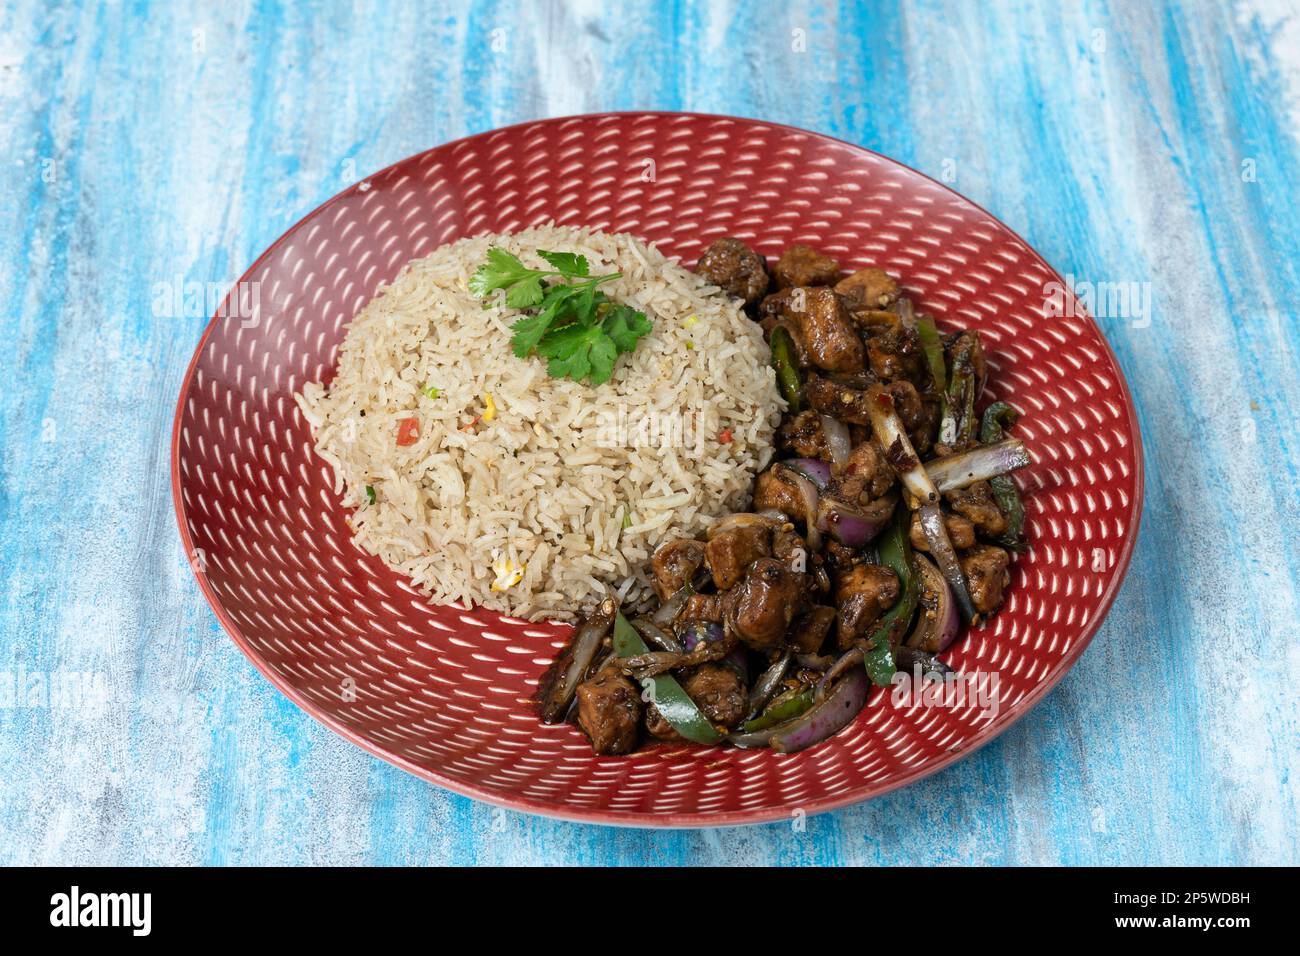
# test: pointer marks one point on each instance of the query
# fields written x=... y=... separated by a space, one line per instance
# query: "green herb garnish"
x=578 y=329
x=370 y=493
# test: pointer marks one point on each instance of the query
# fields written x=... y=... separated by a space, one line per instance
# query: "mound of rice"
x=524 y=493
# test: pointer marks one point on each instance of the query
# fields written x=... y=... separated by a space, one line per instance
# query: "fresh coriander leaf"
x=603 y=356
x=555 y=311
x=568 y=351
x=556 y=298
x=501 y=270
x=625 y=326
x=577 y=365
x=586 y=303
x=578 y=351
x=525 y=293
x=563 y=342
x=557 y=305
x=578 y=329
x=527 y=332
x=568 y=264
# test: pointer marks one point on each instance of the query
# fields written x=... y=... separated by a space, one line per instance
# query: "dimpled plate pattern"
x=442 y=691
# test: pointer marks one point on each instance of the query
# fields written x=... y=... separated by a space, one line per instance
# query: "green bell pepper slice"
x=895 y=552
x=998 y=417
x=667 y=695
x=786 y=707
x=787 y=369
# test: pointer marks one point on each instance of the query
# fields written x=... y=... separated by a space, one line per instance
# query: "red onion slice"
x=848 y=525
x=767 y=683
x=936 y=624
x=850 y=658
x=814 y=469
x=936 y=536
x=561 y=680
x=838 y=442
x=656 y=635
x=987 y=461
x=809 y=495
x=742 y=519
x=668 y=611
x=827 y=718
x=899 y=452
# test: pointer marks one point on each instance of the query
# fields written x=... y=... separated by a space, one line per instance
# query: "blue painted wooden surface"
x=1127 y=141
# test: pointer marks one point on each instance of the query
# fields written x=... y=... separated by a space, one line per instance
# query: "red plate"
x=441 y=691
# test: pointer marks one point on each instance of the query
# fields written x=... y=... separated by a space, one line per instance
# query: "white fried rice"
x=567 y=490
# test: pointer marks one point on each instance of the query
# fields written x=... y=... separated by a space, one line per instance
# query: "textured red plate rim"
x=668 y=820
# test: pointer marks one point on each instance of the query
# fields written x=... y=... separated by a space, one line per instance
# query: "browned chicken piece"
x=809 y=630
x=987 y=577
x=773 y=305
x=926 y=429
x=705 y=607
x=865 y=472
x=774 y=493
x=907 y=402
x=846 y=402
x=895 y=353
x=850 y=404
x=674 y=565
x=873 y=323
x=804 y=266
x=838 y=557
x=788 y=546
x=735 y=268
x=862 y=594
x=976 y=502
x=656 y=724
x=718 y=692
x=869 y=288
x=609 y=712
x=824 y=326
x=960 y=532
x=729 y=553
x=766 y=602
x=802 y=435
x=845 y=397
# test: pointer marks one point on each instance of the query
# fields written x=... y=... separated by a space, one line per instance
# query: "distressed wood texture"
x=1129 y=142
